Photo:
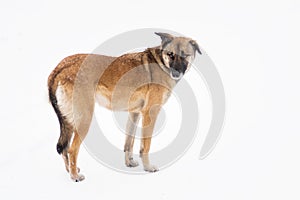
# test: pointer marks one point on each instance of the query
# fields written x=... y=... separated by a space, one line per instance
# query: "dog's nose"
x=175 y=72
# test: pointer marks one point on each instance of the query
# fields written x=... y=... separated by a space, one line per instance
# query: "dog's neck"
x=157 y=55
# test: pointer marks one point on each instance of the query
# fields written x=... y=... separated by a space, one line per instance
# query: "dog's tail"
x=64 y=138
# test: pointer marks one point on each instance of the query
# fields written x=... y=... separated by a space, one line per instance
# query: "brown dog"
x=139 y=83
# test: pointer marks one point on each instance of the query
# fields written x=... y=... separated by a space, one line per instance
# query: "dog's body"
x=139 y=83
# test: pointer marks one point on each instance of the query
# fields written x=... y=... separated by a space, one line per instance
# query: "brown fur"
x=135 y=82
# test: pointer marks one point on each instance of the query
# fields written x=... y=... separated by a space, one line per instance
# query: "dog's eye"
x=171 y=55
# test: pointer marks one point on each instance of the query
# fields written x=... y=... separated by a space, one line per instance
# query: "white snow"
x=255 y=46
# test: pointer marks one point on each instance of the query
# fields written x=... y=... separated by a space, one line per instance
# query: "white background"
x=255 y=46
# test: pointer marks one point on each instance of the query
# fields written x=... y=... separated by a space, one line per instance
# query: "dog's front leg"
x=132 y=122
x=149 y=118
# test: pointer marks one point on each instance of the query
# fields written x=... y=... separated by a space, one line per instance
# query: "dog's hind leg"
x=65 y=156
x=73 y=154
x=66 y=132
x=132 y=122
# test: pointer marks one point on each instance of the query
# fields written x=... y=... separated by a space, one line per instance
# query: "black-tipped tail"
x=60 y=147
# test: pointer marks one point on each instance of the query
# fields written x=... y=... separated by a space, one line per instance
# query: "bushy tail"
x=64 y=139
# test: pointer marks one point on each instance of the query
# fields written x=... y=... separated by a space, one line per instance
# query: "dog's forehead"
x=181 y=44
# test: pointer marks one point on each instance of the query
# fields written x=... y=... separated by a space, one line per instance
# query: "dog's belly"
x=123 y=99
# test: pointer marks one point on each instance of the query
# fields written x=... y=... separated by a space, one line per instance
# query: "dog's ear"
x=165 y=38
x=196 y=46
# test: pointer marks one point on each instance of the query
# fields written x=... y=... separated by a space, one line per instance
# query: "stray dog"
x=139 y=83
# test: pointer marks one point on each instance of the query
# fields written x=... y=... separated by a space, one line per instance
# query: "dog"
x=139 y=83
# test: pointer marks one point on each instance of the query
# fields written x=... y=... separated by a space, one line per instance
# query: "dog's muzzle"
x=176 y=75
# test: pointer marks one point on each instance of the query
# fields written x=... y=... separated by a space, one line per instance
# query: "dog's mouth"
x=176 y=75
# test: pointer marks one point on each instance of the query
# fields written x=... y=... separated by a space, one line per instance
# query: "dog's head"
x=178 y=53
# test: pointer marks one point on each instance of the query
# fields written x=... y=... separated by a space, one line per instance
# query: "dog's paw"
x=150 y=168
x=77 y=178
x=131 y=163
